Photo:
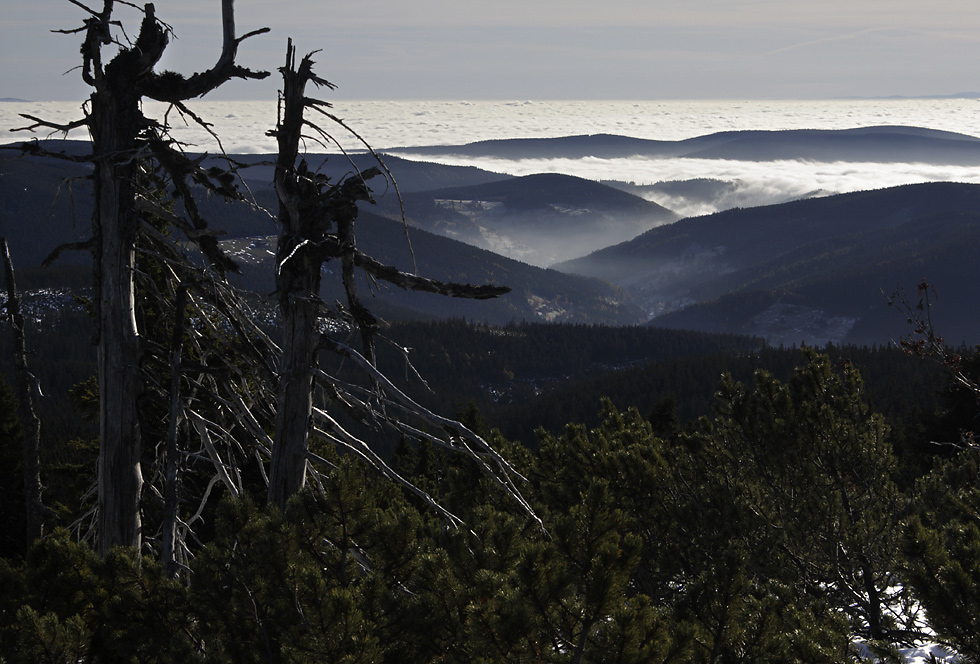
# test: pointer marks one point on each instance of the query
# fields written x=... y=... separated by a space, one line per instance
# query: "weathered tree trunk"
x=115 y=126
x=171 y=494
x=316 y=220
x=119 y=133
x=298 y=262
x=30 y=424
x=287 y=473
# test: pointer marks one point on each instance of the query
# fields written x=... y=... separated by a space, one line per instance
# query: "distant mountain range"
x=537 y=219
x=38 y=212
x=868 y=144
x=957 y=95
x=814 y=271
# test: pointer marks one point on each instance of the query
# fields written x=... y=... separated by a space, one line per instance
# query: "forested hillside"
x=215 y=448
x=245 y=231
x=816 y=271
x=540 y=219
x=659 y=541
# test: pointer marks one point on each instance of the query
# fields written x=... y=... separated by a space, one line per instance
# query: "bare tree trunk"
x=115 y=127
x=171 y=493
x=119 y=133
x=316 y=220
x=298 y=285
x=30 y=424
x=287 y=474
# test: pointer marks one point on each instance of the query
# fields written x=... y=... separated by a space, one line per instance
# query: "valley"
x=816 y=270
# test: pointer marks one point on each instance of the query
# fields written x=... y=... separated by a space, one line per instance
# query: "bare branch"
x=38 y=122
x=391 y=178
x=27 y=389
x=464 y=437
x=413 y=282
x=176 y=88
x=34 y=149
x=84 y=7
x=203 y=427
x=174 y=470
x=365 y=453
x=87 y=245
x=207 y=126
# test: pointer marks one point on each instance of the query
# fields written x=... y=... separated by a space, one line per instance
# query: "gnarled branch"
x=174 y=88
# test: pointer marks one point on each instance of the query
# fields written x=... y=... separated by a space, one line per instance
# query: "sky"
x=541 y=49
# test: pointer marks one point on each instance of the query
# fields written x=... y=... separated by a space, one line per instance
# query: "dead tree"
x=227 y=400
x=121 y=137
x=31 y=425
x=316 y=220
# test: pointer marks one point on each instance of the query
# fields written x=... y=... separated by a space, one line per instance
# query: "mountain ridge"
x=884 y=143
x=39 y=212
x=833 y=256
x=538 y=219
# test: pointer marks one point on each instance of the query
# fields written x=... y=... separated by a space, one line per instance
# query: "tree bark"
x=115 y=127
x=298 y=285
x=171 y=493
x=287 y=473
x=30 y=424
x=119 y=133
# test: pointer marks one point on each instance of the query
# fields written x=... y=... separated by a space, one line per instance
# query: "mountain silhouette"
x=885 y=144
x=836 y=255
x=538 y=219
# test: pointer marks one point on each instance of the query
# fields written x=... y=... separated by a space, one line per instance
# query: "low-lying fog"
x=243 y=126
x=752 y=183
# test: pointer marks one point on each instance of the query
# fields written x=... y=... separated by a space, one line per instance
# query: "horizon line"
x=966 y=96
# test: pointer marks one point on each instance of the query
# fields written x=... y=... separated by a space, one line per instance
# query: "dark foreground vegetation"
x=790 y=520
x=225 y=512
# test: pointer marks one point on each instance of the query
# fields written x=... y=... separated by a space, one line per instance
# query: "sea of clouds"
x=243 y=128
x=754 y=183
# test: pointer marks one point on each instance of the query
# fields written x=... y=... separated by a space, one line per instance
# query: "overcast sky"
x=543 y=49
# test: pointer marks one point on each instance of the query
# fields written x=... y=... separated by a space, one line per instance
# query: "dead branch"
x=63 y=128
x=174 y=88
x=925 y=341
x=461 y=438
x=408 y=281
x=33 y=148
x=172 y=480
x=86 y=245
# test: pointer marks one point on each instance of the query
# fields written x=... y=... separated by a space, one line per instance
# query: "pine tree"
x=65 y=604
x=942 y=551
x=811 y=470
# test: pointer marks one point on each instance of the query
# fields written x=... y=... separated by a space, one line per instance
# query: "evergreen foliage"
x=942 y=550
x=770 y=532
x=811 y=468
x=663 y=540
x=779 y=528
x=65 y=604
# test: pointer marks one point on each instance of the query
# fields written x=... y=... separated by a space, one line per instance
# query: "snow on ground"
x=930 y=653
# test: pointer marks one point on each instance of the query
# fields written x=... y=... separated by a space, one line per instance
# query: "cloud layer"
x=243 y=127
x=755 y=183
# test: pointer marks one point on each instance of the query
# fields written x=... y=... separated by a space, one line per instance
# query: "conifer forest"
x=195 y=473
